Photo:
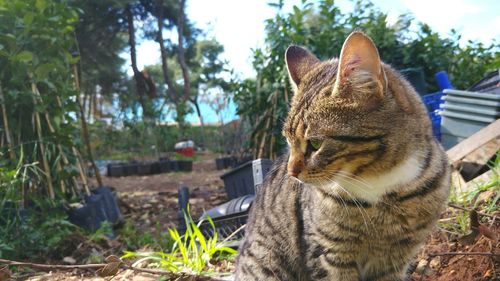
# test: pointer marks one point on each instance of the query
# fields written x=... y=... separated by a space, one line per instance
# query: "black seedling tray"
x=226 y=225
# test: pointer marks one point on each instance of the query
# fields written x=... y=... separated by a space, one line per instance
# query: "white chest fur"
x=371 y=189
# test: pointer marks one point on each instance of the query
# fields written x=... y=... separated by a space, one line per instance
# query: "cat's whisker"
x=336 y=194
x=351 y=178
x=363 y=212
x=356 y=178
x=324 y=184
x=364 y=183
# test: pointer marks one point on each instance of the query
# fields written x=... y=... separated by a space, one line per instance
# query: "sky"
x=239 y=26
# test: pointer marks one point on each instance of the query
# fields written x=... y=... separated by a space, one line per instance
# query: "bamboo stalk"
x=52 y=130
x=85 y=130
x=82 y=172
x=64 y=157
x=268 y=126
x=273 y=137
x=45 y=163
x=6 y=126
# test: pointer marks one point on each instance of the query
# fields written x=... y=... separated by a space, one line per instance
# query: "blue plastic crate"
x=432 y=103
x=436 y=124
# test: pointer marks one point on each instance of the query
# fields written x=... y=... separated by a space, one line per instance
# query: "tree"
x=207 y=74
x=144 y=88
x=186 y=36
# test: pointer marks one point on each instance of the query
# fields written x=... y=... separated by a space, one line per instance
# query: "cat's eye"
x=315 y=143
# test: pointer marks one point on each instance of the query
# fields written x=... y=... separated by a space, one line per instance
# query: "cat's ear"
x=298 y=62
x=359 y=61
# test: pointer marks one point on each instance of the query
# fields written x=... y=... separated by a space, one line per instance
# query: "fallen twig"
x=469 y=210
x=52 y=266
x=99 y=266
x=464 y=254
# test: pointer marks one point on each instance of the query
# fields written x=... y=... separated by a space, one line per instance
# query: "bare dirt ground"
x=151 y=202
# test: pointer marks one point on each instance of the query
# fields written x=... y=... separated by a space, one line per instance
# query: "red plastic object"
x=187 y=151
x=185 y=148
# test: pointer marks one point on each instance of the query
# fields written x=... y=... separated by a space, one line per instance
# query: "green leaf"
x=43 y=70
x=25 y=56
x=41 y=5
x=28 y=18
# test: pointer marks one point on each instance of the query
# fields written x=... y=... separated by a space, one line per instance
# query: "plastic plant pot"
x=131 y=169
x=115 y=170
x=155 y=168
x=111 y=207
x=174 y=165
x=219 y=163
x=91 y=215
x=246 y=179
x=144 y=169
x=185 y=165
x=164 y=166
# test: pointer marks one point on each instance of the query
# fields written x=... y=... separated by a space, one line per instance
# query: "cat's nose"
x=294 y=172
x=294 y=168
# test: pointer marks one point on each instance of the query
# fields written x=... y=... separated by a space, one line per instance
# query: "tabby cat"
x=364 y=180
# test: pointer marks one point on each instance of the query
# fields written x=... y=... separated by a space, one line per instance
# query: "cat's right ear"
x=299 y=61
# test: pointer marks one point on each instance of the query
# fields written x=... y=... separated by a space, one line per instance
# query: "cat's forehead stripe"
x=320 y=78
x=318 y=83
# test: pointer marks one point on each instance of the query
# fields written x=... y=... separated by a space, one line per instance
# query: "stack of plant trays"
x=464 y=113
x=242 y=184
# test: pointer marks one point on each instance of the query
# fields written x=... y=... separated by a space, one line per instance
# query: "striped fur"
x=364 y=180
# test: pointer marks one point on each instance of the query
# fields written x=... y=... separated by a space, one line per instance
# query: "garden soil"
x=151 y=203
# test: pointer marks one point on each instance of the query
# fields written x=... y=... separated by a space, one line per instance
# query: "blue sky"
x=239 y=26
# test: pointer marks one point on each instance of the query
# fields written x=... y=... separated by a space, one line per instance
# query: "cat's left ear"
x=299 y=61
x=358 y=58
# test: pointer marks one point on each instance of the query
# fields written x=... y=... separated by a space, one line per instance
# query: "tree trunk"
x=182 y=58
x=194 y=101
x=139 y=79
x=163 y=52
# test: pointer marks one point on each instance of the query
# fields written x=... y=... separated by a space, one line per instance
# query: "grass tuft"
x=190 y=253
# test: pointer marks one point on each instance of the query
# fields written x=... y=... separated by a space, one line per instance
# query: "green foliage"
x=469 y=198
x=101 y=234
x=27 y=235
x=191 y=252
x=135 y=239
x=138 y=138
x=37 y=95
x=322 y=27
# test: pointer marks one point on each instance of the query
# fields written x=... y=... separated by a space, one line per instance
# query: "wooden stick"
x=65 y=159
x=85 y=129
x=469 y=210
x=45 y=163
x=6 y=125
x=459 y=151
x=81 y=170
x=51 y=267
x=464 y=254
